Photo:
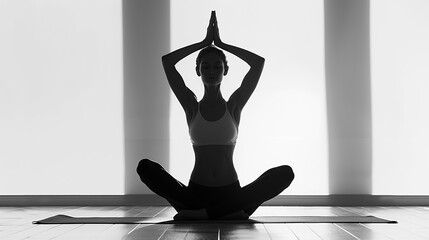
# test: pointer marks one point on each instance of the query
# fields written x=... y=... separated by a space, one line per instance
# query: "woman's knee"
x=145 y=167
x=286 y=174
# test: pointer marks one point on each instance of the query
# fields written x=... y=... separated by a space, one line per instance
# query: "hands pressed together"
x=212 y=32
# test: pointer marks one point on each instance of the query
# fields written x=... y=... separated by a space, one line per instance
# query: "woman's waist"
x=231 y=187
x=214 y=173
x=213 y=180
x=214 y=165
x=215 y=152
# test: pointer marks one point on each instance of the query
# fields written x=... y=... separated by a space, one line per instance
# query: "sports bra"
x=221 y=132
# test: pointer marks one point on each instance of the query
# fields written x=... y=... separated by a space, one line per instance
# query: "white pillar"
x=146 y=32
x=347 y=57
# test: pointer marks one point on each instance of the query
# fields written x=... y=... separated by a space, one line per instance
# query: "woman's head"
x=211 y=65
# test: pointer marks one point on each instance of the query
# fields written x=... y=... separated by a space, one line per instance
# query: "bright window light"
x=285 y=120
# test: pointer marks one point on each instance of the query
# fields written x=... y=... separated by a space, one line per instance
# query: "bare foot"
x=239 y=215
x=183 y=215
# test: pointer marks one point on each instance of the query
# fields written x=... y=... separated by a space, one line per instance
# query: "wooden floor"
x=16 y=223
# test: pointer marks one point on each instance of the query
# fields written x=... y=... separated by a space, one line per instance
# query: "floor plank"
x=303 y=232
x=408 y=227
x=202 y=231
x=395 y=232
x=330 y=232
x=280 y=231
x=361 y=232
x=243 y=231
x=147 y=232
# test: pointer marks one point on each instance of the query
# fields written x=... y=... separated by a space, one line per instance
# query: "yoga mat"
x=64 y=219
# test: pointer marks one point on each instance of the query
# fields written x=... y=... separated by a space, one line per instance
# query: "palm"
x=216 y=32
x=210 y=30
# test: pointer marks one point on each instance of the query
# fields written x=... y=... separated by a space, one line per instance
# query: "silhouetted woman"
x=214 y=191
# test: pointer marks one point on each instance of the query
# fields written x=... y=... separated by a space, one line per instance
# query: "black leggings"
x=218 y=201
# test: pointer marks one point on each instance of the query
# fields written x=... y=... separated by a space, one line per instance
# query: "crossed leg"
x=246 y=199
x=162 y=183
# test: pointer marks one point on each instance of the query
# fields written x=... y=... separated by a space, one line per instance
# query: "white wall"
x=61 y=101
x=285 y=120
x=400 y=93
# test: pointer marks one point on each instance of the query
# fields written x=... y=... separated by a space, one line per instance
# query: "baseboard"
x=150 y=199
x=350 y=200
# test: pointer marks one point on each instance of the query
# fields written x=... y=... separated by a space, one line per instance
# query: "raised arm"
x=185 y=96
x=256 y=63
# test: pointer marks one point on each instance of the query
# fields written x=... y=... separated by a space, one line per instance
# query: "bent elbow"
x=164 y=59
x=261 y=61
x=168 y=60
x=258 y=61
